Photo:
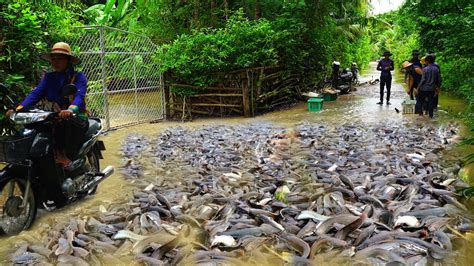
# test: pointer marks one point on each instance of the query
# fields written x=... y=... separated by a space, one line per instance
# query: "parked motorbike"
x=341 y=81
x=32 y=179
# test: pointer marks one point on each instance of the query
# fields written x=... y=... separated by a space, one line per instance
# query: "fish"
x=63 y=247
x=343 y=232
x=325 y=226
x=126 y=234
x=162 y=250
x=387 y=255
x=307 y=214
x=28 y=258
x=348 y=193
x=72 y=260
x=227 y=241
x=271 y=222
x=407 y=220
x=297 y=243
x=433 y=250
x=364 y=234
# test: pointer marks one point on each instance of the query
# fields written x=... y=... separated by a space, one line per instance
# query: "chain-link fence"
x=124 y=83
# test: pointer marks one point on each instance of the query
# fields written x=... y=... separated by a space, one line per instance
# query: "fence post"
x=104 y=77
x=165 y=99
x=135 y=87
x=245 y=94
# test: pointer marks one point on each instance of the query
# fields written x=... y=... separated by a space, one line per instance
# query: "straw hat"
x=406 y=64
x=61 y=48
x=423 y=60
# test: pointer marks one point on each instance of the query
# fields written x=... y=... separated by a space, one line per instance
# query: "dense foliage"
x=242 y=43
x=302 y=37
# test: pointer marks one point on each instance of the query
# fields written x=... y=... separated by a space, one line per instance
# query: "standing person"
x=407 y=68
x=413 y=75
x=429 y=85
x=415 y=61
x=414 y=58
x=416 y=72
x=435 y=103
x=335 y=74
x=385 y=66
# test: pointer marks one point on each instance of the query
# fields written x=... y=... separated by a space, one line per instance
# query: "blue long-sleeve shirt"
x=382 y=65
x=431 y=78
x=50 y=87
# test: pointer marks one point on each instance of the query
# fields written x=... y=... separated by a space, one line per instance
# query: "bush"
x=197 y=58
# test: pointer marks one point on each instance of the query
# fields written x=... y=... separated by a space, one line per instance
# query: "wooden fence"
x=241 y=92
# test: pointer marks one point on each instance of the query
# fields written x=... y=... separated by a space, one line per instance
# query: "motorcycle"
x=341 y=82
x=32 y=176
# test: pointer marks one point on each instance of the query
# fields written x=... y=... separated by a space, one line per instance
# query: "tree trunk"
x=213 y=13
x=226 y=9
x=196 y=14
x=258 y=10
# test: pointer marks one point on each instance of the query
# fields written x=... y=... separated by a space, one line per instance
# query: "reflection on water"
x=360 y=107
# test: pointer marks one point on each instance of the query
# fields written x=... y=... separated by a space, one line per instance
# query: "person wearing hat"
x=336 y=73
x=385 y=66
x=413 y=73
x=406 y=66
x=72 y=110
x=429 y=85
x=414 y=59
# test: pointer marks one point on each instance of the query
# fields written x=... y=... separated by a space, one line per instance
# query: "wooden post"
x=245 y=94
x=167 y=102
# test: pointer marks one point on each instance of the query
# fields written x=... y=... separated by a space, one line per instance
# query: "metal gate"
x=125 y=86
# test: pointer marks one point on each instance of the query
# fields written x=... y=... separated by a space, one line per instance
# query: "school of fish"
x=262 y=194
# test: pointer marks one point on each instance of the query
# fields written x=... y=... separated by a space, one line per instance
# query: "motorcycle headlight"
x=28 y=118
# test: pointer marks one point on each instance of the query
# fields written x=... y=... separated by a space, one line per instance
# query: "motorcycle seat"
x=94 y=127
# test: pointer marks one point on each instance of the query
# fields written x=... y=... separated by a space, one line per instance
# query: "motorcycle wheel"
x=93 y=160
x=13 y=218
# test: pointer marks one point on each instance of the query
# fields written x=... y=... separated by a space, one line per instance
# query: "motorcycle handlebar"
x=52 y=116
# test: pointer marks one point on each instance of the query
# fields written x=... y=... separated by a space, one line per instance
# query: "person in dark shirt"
x=414 y=59
x=429 y=86
x=335 y=74
x=410 y=71
x=385 y=66
x=415 y=71
x=435 y=103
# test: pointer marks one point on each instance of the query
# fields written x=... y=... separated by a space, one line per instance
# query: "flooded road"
x=360 y=107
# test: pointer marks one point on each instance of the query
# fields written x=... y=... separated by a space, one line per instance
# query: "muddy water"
x=359 y=107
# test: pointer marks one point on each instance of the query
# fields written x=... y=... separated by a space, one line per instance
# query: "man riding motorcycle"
x=72 y=109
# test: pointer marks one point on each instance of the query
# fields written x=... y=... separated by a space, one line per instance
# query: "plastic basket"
x=408 y=106
x=15 y=148
x=329 y=97
x=315 y=104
